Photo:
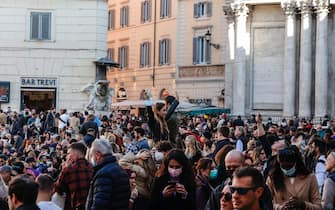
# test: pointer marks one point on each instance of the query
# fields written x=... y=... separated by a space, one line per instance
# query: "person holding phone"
x=291 y=184
x=174 y=186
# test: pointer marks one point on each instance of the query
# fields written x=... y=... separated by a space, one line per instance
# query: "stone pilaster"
x=241 y=11
x=229 y=55
x=289 y=7
x=305 y=76
x=321 y=58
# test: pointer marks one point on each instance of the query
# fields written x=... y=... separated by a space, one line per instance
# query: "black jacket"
x=158 y=202
x=154 y=125
x=214 y=200
x=109 y=188
x=28 y=207
x=87 y=125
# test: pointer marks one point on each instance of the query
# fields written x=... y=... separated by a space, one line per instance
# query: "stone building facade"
x=281 y=61
x=47 y=49
x=166 y=48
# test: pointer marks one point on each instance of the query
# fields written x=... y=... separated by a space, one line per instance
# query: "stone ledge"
x=207 y=71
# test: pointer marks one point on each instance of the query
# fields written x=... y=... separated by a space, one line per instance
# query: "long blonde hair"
x=193 y=148
x=162 y=122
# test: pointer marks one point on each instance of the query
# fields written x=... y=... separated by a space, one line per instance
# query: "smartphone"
x=172 y=182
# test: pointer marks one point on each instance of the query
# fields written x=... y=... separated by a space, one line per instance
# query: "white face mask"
x=93 y=162
x=175 y=172
x=159 y=156
x=289 y=172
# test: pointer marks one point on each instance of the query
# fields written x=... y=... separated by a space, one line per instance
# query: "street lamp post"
x=208 y=36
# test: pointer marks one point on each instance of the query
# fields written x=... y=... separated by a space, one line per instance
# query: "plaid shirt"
x=74 y=180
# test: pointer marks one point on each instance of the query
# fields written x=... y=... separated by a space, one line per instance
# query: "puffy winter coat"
x=109 y=188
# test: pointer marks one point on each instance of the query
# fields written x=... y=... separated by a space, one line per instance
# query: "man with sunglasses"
x=234 y=159
x=247 y=189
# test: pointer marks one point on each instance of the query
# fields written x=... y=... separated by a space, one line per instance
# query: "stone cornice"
x=289 y=7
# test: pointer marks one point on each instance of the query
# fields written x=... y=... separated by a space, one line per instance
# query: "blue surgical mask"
x=289 y=172
x=213 y=174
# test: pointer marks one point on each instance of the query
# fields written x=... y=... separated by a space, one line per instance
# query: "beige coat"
x=142 y=176
x=74 y=124
x=303 y=187
x=3 y=118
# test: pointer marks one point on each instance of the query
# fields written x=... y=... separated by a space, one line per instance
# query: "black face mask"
x=230 y=173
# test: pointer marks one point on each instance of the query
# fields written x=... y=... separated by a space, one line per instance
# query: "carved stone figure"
x=100 y=96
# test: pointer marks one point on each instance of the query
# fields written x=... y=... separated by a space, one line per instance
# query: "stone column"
x=229 y=56
x=321 y=58
x=289 y=8
x=305 y=76
x=240 y=10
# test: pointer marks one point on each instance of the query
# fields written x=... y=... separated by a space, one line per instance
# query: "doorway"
x=38 y=99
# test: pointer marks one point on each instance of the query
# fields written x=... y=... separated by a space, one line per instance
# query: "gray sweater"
x=328 y=196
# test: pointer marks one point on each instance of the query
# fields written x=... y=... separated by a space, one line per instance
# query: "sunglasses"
x=241 y=190
x=226 y=196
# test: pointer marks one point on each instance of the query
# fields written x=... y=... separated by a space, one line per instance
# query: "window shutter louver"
x=160 y=52
x=142 y=12
x=121 y=14
x=127 y=54
x=194 y=50
x=127 y=15
x=119 y=57
x=169 y=7
x=109 y=20
x=208 y=52
x=149 y=54
x=141 y=55
x=195 y=10
x=34 y=21
x=162 y=8
x=209 y=9
x=168 y=53
x=113 y=19
x=150 y=10
x=46 y=26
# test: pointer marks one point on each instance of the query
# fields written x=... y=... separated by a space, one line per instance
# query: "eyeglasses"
x=226 y=196
x=241 y=190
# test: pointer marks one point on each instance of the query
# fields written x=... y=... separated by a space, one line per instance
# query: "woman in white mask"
x=174 y=186
x=291 y=184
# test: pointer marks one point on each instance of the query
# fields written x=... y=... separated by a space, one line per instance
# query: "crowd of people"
x=161 y=161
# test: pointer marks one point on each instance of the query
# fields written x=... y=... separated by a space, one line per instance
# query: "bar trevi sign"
x=42 y=82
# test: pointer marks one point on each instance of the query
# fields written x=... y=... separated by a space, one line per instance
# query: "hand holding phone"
x=169 y=190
